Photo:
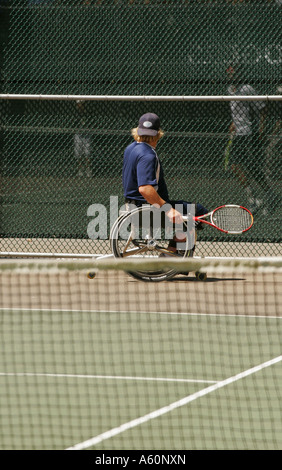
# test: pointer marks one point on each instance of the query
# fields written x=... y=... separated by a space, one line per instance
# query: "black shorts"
x=186 y=206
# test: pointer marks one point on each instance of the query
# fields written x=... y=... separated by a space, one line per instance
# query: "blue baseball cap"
x=149 y=124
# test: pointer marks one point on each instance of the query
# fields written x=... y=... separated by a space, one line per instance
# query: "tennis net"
x=107 y=361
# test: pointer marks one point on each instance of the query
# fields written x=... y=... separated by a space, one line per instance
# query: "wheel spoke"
x=134 y=251
x=161 y=249
x=128 y=241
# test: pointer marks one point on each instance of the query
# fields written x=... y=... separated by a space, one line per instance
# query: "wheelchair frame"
x=129 y=236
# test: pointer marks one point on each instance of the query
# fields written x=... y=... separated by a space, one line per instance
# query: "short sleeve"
x=146 y=170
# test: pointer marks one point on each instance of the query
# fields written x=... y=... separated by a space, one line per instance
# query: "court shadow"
x=192 y=278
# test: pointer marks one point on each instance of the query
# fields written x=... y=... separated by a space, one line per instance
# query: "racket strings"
x=232 y=219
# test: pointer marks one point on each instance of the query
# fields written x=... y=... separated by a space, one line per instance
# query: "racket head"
x=231 y=218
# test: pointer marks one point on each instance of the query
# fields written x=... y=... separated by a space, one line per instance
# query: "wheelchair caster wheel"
x=91 y=275
x=201 y=276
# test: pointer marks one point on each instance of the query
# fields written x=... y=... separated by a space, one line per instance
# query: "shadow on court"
x=190 y=278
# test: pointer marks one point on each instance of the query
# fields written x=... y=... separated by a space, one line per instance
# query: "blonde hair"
x=146 y=138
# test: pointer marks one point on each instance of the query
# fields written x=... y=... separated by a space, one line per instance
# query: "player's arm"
x=232 y=128
x=152 y=197
x=150 y=194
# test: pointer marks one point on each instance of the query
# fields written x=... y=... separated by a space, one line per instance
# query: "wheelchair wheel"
x=141 y=233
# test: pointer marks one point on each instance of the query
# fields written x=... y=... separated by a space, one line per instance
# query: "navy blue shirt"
x=141 y=167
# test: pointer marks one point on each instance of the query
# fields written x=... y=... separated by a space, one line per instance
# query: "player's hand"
x=174 y=216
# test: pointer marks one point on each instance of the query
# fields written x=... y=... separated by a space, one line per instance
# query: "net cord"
x=265 y=264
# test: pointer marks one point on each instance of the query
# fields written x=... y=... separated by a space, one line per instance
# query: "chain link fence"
x=60 y=158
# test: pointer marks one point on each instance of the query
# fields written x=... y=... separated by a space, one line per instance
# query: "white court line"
x=106 y=377
x=167 y=409
x=135 y=312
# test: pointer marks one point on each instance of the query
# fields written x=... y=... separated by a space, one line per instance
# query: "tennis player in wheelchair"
x=145 y=189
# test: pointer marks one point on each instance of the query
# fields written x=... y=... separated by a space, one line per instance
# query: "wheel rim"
x=132 y=236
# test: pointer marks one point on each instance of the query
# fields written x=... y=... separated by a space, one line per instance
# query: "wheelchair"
x=145 y=232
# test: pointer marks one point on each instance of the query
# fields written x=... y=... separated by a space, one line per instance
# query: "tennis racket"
x=228 y=219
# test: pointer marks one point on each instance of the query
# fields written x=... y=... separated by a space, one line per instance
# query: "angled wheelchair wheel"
x=142 y=234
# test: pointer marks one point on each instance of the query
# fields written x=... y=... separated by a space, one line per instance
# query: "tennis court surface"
x=116 y=363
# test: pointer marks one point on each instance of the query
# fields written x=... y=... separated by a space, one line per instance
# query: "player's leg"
x=182 y=238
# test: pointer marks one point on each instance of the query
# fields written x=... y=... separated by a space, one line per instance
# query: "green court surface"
x=114 y=363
